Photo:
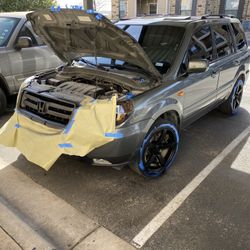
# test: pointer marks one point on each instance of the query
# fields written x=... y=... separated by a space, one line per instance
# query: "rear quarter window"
x=240 y=38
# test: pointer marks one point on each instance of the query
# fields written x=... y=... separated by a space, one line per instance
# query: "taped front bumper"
x=92 y=125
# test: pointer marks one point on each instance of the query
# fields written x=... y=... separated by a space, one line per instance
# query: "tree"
x=25 y=5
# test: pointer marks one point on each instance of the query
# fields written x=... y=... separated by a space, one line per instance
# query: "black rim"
x=237 y=97
x=159 y=150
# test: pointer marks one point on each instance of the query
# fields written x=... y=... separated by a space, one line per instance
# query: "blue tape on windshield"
x=90 y=11
x=55 y=9
x=114 y=135
x=71 y=122
x=17 y=125
x=65 y=145
x=99 y=17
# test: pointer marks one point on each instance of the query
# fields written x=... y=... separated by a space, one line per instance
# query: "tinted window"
x=223 y=41
x=161 y=44
x=7 y=25
x=239 y=36
x=201 y=45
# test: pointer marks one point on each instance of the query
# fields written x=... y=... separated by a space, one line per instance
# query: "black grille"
x=47 y=108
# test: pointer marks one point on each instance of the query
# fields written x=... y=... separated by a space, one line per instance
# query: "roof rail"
x=176 y=17
x=219 y=15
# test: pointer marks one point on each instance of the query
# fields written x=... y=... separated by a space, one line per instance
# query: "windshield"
x=160 y=42
x=7 y=25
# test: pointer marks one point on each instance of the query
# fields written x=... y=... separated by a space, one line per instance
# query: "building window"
x=122 y=9
x=152 y=9
x=231 y=7
x=186 y=7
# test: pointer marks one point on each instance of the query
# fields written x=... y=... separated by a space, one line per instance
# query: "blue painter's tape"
x=65 y=145
x=129 y=96
x=71 y=122
x=90 y=11
x=99 y=17
x=17 y=125
x=55 y=9
x=114 y=135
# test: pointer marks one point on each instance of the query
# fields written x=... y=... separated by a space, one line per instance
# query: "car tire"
x=232 y=104
x=3 y=102
x=158 y=150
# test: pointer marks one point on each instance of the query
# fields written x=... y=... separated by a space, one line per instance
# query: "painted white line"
x=242 y=162
x=7 y=156
x=144 y=235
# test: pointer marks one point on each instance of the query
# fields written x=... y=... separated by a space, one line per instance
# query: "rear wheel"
x=232 y=104
x=3 y=102
x=158 y=149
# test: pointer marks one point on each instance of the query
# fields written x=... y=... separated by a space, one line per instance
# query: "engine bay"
x=74 y=88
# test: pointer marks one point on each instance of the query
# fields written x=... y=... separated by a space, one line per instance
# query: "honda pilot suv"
x=166 y=72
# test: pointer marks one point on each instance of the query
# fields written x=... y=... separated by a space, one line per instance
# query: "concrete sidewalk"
x=31 y=217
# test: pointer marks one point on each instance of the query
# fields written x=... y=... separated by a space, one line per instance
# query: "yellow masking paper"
x=43 y=145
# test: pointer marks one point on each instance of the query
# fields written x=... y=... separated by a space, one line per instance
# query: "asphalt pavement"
x=214 y=215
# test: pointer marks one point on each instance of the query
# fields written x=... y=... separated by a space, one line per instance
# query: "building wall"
x=162 y=6
x=213 y=7
x=115 y=9
x=201 y=7
x=173 y=7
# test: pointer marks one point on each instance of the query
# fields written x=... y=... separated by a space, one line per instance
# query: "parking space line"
x=240 y=163
x=7 y=156
x=148 y=231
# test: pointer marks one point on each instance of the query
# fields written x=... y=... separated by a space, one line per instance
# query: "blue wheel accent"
x=236 y=95
x=143 y=167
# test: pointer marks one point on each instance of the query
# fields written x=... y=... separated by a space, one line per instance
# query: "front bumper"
x=124 y=149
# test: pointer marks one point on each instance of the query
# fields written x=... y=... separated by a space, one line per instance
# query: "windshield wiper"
x=129 y=67
x=98 y=66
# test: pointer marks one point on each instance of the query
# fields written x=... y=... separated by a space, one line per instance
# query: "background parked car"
x=22 y=54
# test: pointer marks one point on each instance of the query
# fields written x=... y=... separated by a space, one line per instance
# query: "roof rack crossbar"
x=219 y=15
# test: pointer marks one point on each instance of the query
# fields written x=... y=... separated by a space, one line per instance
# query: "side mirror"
x=23 y=42
x=197 y=66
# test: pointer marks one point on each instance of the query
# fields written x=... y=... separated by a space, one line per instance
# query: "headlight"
x=123 y=110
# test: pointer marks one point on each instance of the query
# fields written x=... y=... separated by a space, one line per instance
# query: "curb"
x=36 y=218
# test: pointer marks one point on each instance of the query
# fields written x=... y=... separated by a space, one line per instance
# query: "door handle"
x=214 y=73
x=236 y=62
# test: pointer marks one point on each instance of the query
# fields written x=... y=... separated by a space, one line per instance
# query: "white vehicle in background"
x=22 y=54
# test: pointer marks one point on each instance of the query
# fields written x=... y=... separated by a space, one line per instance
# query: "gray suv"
x=22 y=54
x=166 y=71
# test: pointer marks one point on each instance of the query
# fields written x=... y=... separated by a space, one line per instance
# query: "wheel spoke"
x=160 y=159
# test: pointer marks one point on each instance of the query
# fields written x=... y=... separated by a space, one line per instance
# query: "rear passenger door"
x=227 y=62
x=200 y=88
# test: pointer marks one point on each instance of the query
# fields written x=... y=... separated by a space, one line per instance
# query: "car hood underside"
x=77 y=33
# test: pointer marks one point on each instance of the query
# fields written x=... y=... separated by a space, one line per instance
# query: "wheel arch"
x=172 y=113
x=4 y=85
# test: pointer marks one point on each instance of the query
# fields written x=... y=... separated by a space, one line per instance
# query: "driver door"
x=201 y=88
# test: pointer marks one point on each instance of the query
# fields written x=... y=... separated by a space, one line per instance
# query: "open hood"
x=75 y=33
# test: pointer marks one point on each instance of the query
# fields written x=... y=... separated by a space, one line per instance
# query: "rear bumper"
x=121 y=151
